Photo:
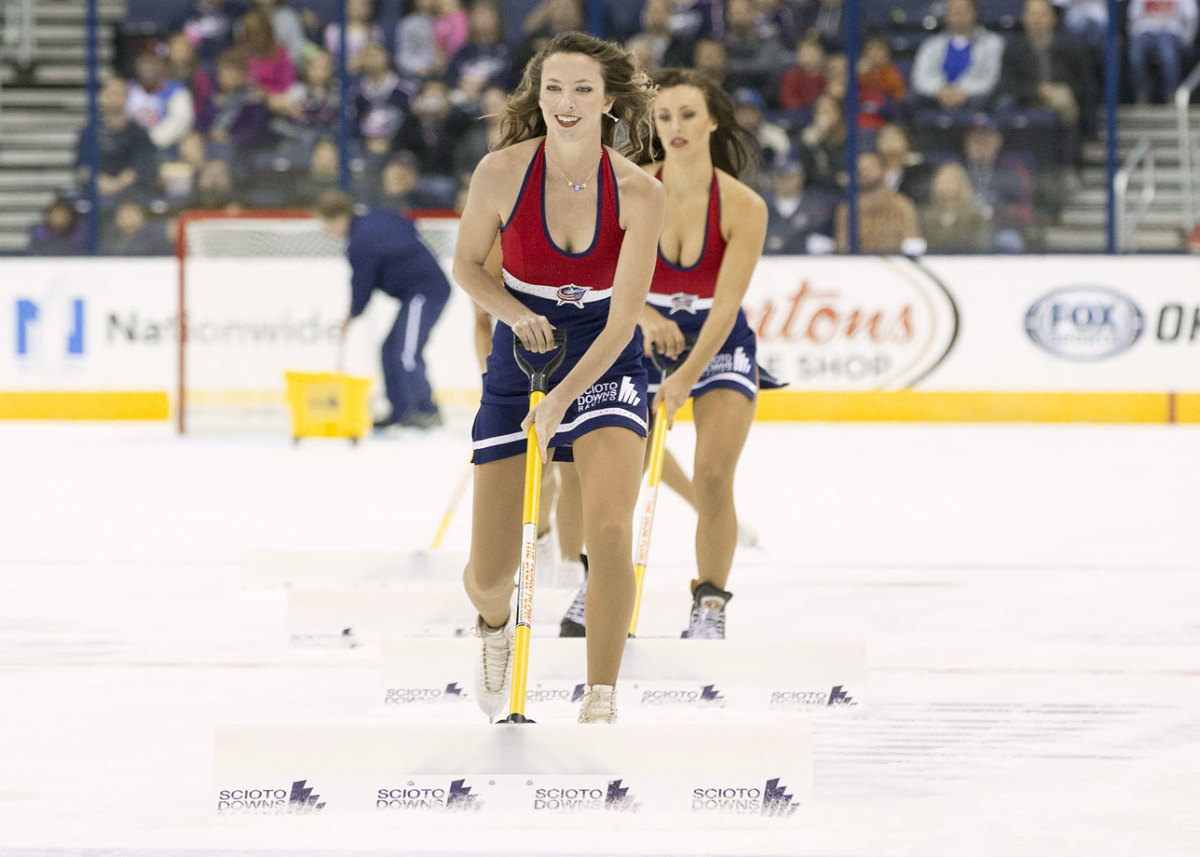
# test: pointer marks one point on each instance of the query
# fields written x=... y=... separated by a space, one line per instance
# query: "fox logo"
x=683 y=302
x=572 y=294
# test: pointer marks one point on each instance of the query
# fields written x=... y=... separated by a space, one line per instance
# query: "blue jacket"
x=386 y=253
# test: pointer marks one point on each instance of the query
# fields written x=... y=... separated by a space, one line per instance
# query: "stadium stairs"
x=42 y=110
x=1082 y=225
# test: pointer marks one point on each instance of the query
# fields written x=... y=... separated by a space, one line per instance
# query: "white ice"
x=1030 y=597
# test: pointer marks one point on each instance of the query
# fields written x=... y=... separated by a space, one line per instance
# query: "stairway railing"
x=1183 y=96
x=1142 y=155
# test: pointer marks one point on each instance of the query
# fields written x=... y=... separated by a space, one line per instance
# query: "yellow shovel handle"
x=658 y=445
x=529 y=534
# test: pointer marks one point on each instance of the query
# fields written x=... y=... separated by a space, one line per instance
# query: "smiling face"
x=572 y=96
x=682 y=120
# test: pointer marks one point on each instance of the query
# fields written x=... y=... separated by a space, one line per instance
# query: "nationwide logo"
x=572 y=294
x=457 y=798
x=576 y=797
x=410 y=695
x=628 y=393
x=298 y=800
x=708 y=695
x=1084 y=323
x=837 y=696
x=772 y=800
x=682 y=302
x=48 y=319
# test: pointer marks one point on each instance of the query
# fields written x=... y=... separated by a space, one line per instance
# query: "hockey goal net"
x=262 y=293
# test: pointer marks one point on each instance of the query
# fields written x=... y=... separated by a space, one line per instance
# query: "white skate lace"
x=599 y=705
x=708 y=620
x=496 y=652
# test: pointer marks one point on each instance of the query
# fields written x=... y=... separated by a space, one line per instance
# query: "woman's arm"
x=483 y=321
x=495 y=180
x=745 y=215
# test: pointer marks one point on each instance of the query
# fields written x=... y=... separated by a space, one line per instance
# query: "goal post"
x=264 y=292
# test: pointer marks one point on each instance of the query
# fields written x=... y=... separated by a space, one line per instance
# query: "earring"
x=613 y=118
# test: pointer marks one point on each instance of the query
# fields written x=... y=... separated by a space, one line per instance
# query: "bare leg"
x=495 y=537
x=568 y=513
x=609 y=463
x=674 y=477
x=723 y=419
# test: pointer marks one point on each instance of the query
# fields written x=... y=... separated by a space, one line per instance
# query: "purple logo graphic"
x=453 y=689
x=837 y=696
x=577 y=694
x=776 y=801
x=460 y=797
x=302 y=799
x=618 y=799
x=709 y=693
x=572 y=294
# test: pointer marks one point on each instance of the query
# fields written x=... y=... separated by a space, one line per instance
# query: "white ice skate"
x=493 y=671
x=599 y=704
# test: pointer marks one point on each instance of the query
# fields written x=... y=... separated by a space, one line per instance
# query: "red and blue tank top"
x=535 y=265
x=698 y=281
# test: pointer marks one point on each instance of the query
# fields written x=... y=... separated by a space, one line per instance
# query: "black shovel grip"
x=668 y=366
x=539 y=376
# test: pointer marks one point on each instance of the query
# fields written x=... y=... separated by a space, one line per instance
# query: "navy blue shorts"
x=733 y=367
x=618 y=398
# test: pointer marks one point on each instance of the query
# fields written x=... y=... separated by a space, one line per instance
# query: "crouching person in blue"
x=386 y=253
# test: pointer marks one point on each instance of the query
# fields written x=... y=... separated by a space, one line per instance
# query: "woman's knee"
x=713 y=481
x=609 y=534
x=488 y=579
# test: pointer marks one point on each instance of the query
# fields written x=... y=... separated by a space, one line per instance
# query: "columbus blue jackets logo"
x=682 y=302
x=572 y=294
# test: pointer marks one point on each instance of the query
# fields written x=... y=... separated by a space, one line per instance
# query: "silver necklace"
x=575 y=186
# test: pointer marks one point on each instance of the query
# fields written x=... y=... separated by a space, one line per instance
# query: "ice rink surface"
x=1029 y=595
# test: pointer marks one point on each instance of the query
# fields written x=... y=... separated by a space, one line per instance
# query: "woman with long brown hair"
x=578 y=224
x=711 y=240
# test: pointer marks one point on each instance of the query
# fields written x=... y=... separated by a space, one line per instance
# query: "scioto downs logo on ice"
x=577 y=796
x=457 y=797
x=451 y=693
x=837 y=696
x=708 y=695
x=297 y=800
x=772 y=799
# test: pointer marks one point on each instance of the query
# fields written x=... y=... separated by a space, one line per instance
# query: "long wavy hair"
x=624 y=80
x=730 y=145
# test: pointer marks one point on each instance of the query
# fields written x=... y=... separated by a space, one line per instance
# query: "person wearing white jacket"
x=1162 y=31
x=959 y=67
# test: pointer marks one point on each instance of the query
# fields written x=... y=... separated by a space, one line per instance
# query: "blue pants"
x=403 y=353
x=1167 y=52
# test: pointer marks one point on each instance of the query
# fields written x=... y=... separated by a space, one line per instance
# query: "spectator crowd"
x=971 y=120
